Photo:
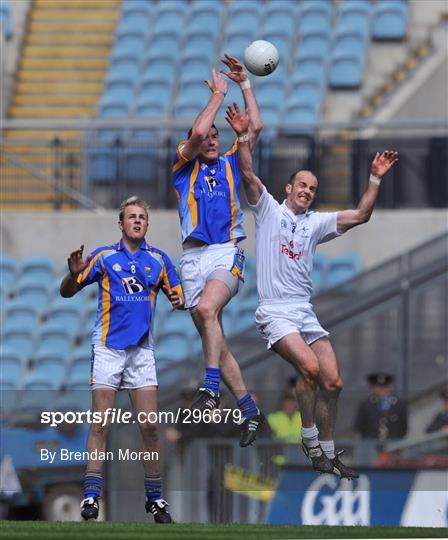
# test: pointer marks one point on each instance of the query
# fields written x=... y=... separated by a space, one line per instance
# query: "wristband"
x=220 y=92
x=243 y=138
x=245 y=84
x=375 y=179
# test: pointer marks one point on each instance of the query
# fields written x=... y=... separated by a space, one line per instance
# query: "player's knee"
x=149 y=430
x=310 y=370
x=333 y=384
x=100 y=429
x=206 y=311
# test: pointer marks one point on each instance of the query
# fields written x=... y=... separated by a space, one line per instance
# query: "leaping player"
x=212 y=266
x=286 y=238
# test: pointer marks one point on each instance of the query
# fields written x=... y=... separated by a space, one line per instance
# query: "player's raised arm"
x=240 y=124
x=76 y=264
x=204 y=121
x=238 y=74
x=381 y=164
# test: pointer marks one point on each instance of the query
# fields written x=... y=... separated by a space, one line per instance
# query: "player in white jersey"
x=286 y=238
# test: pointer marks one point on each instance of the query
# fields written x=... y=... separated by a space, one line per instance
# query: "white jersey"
x=285 y=246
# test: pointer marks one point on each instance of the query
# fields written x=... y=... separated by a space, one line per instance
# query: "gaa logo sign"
x=331 y=501
x=132 y=285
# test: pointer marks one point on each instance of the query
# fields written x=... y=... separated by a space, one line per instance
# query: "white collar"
x=290 y=213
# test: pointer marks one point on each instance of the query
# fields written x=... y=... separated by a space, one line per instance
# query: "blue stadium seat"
x=53 y=338
x=120 y=88
x=38 y=395
x=341 y=268
x=125 y=68
x=11 y=365
x=311 y=68
x=39 y=268
x=20 y=340
x=270 y=112
x=43 y=380
x=278 y=22
x=80 y=364
x=244 y=323
x=271 y=90
x=141 y=153
x=130 y=44
x=19 y=314
x=178 y=323
x=115 y=106
x=319 y=272
x=314 y=42
x=136 y=7
x=8 y=272
x=346 y=71
x=279 y=6
x=236 y=42
x=35 y=294
x=133 y=25
x=68 y=316
x=154 y=92
x=354 y=15
x=390 y=20
x=188 y=107
x=195 y=68
x=170 y=20
x=308 y=91
x=301 y=114
x=165 y=43
x=159 y=67
x=206 y=15
x=51 y=363
x=201 y=43
x=351 y=42
x=172 y=349
x=192 y=95
x=315 y=15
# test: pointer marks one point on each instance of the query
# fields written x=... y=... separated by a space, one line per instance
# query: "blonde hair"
x=134 y=200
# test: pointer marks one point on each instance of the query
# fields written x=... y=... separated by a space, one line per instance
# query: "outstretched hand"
x=383 y=162
x=216 y=83
x=238 y=121
x=237 y=72
x=76 y=263
x=177 y=300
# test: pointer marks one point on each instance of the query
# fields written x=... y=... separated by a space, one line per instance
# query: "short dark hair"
x=292 y=178
x=190 y=131
x=134 y=200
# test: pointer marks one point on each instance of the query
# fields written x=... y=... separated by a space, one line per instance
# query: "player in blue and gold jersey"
x=129 y=275
x=206 y=183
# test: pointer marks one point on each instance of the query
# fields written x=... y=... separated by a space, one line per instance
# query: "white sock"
x=328 y=448
x=310 y=436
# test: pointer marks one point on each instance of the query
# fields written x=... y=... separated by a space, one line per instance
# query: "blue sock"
x=153 y=487
x=93 y=483
x=247 y=406
x=212 y=379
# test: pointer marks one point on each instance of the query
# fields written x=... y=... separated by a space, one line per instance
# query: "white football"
x=261 y=58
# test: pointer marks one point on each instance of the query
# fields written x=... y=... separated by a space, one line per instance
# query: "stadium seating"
x=341 y=268
x=8 y=271
x=390 y=19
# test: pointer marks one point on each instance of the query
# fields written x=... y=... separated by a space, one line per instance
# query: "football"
x=261 y=58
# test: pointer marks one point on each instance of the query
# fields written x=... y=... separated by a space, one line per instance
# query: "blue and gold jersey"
x=128 y=285
x=209 y=207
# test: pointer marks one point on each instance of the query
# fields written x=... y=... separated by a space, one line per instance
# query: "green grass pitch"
x=48 y=530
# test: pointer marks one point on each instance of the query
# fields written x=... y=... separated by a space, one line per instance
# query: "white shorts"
x=129 y=368
x=277 y=320
x=198 y=264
